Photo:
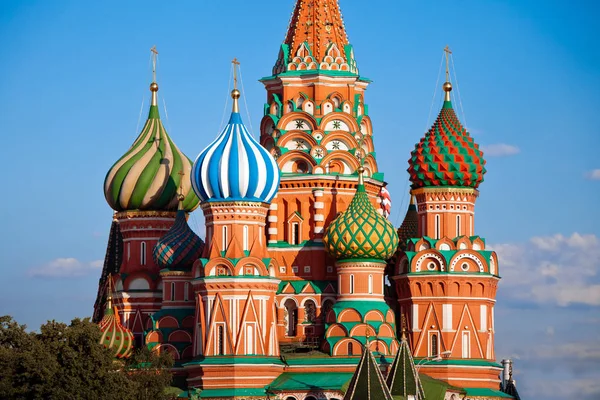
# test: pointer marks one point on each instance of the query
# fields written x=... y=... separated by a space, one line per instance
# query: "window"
x=471 y=224
x=225 y=241
x=431 y=266
x=295 y=233
x=351 y=284
x=172 y=291
x=458 y=225
x=245 y=238
x=350 y=349
x=186 y=291
x=434 y=345
x=437 y=226
x=329 y=269
x=466 y=344
x=370 y=284
x=464 y=266
x=220 y=341
x=295 y=270
x=307 y=269
x=422 y=226
x=143 y=253
x=128 y=251
x=250 y=339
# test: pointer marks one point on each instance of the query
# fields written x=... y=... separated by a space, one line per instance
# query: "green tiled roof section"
x=362 y=306
x=320 y=361
x=483 y=392
x=285 y=245
x=314 y=72
x=299 y=285
x=310 y=381
x=233 y=393
x=234 y=360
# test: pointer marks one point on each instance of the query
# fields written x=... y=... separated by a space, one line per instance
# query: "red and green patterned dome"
x=360 y=232
x=115 y=336
x=447 y=155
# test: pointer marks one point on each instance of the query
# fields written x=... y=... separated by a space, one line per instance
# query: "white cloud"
x=593 y=175
x=555 y=269
x=500 y=150
x=65 y=268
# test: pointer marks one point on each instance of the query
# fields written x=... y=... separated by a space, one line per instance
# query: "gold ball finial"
x=235 y=94
x=447 y=87
x=181 y=197
x=360 y=170
x=154 y=87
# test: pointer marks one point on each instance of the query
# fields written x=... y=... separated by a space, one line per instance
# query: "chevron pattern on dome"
x=179 y=247
x=115 y=336
x=446 y=155
x=360 y=232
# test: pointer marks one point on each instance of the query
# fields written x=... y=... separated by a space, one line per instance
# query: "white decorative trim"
x=432 y=255
x=318 y=229
x=272 y=218
x=319 y=217
x=470 y=256
x=319 y=205
x=272 y=231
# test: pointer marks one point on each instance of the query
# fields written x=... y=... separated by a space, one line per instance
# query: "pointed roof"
x=112 y=264
x=410 y=225
x=403 y=379
x=367 y=382
x=511 y=389
x=316 y=39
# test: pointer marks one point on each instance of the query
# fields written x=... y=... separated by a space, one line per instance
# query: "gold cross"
x=448 y=52
x=235 y=63
x=154 y=57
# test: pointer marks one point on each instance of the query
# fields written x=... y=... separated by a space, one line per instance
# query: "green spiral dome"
x=360 y=232
x=149 y=175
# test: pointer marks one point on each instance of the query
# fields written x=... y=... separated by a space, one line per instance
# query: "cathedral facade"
x=302 y=289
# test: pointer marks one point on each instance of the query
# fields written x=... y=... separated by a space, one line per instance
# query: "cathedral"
x=302 y=289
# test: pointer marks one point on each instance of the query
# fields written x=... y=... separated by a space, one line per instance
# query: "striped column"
x=319 y=217
x=272 y=221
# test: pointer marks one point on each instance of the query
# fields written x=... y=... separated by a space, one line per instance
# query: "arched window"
x=458 y=225
x=437 y=226
x=128 y=251
x=466 y=344
x=434 y=345
x=351 y=284
x=225 y=241
x=350 y=349
x=370 y=284
x=471 y=224
x=295 y=233
x=245 y=237
x=172 y=291
x=220 y=340
x=143 y=253
x=186 y=291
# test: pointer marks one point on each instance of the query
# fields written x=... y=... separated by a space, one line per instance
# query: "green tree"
x=68 y=362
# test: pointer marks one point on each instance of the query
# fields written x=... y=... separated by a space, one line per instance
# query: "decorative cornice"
x=145 y=214
x=441 y=189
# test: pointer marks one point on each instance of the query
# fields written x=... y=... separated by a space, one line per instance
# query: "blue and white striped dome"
x=235 y=167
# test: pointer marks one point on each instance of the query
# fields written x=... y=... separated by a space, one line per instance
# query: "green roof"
x=211 y=393
x=310 y=381
x=362 y=306
x=484 y=392
x=299 y=285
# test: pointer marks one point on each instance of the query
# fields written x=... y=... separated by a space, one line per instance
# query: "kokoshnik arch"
x=299 y=288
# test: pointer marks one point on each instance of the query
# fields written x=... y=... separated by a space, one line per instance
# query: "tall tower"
x=142 y=187
x=317 y=126
x=235 y=178
x=446 y=279
x=361 y=240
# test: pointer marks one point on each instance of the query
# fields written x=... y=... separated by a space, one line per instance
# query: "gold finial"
x=368 y=336
x=235 y=93
x=447 y=85
x=154 y=85
x=180 y=196
x=361 y=179
x=403 y=322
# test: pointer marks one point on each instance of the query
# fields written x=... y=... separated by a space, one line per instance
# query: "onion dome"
x=360 y=232
x=410 y=225
x=115 y=336
x=447 y=155
x=235 y=167
x=179 y=247
x=148 y=176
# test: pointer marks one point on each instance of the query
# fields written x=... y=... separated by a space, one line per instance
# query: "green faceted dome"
x=149 y=175
x=360 y=232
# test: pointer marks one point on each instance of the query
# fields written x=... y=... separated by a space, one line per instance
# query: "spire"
x=403 y=378
x=235 y=93
x=316 y=39
x=410 y=225
x=154 y=85
x=447 y=86
x=367 y=382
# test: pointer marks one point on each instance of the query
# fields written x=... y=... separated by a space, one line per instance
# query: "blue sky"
x=73 y=75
